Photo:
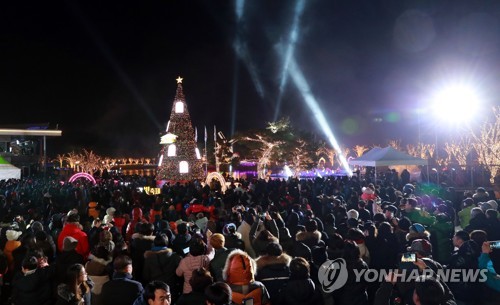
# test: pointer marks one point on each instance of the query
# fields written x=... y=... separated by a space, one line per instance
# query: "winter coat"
x=491 y=277
x=186 y=267
x=160 y=264
x=383 y=252
x=310 y=239
x=73 y=230
x=299 y=292
x=97 y=271
x=239 y=273
x=218 y=262
x=273 y=272
x=192 y=298
x=33 y=288
x=418 y=216
x=138 y=246
x=66 y=297
x=464 y=216
x=9 y=248
x=442 y=246
x=63 y=261
x=286 y=241
x=465 y=258
x=259 y=246
x=234 y=242
x=121 y=290
x=244 y=230
x=353 y=292
x=180 y=243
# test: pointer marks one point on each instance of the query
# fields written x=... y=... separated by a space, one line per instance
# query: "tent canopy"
x=386 y=157
x=8 y=171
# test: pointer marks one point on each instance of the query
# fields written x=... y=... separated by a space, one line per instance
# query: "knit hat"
x=69 y=243
x=421 y=246
x=352 y=214
x=475 y=211
x=485 y=206
x=228 y=228
x=391 y=208
x=494 y=204
x=13 y=234
x=37 y=226
x=108 y=218
x=217 y=241
x=418 y=228
x=110 y=211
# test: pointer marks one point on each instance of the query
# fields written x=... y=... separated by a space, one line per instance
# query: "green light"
x=350 y=126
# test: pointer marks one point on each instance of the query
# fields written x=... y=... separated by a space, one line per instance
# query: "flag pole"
x=206 y=158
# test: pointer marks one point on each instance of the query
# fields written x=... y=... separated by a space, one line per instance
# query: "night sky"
x=105 y=71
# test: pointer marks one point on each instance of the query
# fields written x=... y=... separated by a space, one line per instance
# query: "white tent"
x=8 y=171
x=387 y=156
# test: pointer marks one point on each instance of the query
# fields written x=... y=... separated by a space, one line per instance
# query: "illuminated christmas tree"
x=180 y=158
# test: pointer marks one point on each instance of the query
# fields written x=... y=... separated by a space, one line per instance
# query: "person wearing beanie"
x=352 y=214
x=73 y=228
x=464 y=215
x=160 y=263
x=221 y=253
x=67 y=257
x=477 y=221
x=232 y=239
x=480 y=195
x=12 y=244
x=417 y=231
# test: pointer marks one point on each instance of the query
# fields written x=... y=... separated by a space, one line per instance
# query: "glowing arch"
x=218 y=177
x=82 y=175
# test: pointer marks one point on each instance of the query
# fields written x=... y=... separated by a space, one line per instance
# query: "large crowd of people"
x=259 y=242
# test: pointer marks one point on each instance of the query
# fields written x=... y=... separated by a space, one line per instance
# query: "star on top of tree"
x=179 y=80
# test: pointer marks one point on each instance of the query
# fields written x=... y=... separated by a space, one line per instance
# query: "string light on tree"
x=178 y=154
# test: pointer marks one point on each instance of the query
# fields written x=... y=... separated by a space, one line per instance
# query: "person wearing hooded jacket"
x=73 y=228
x=239 y=273
x=160 y=263
x=273 y=269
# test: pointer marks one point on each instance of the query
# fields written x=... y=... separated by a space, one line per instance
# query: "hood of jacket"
x=140 y=236
x=268 y=260
x=240 y=268
x=301 y=236
x=151 y=253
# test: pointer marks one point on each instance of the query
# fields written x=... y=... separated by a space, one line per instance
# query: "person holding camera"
x=428 y=289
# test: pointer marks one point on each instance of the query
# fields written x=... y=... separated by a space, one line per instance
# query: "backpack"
x=256 y=294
